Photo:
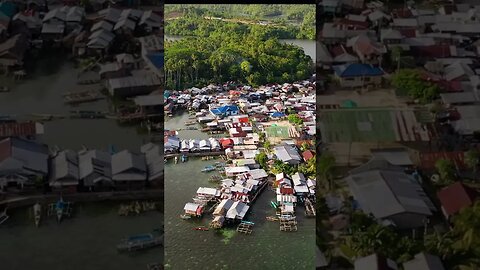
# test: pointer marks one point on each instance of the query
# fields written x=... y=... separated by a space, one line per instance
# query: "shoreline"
x=24 y=201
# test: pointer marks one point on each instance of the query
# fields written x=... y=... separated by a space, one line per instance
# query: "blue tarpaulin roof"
x=357 y=70
x=224 y=109
x=156 y=59
x=277 y=114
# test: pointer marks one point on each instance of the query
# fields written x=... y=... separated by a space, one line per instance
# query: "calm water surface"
x=85 y=242
x=266 y=248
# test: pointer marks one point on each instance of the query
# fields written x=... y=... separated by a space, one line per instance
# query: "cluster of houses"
x=97 y=33
x=25 y=163
x=234 y=195
x=361 y=44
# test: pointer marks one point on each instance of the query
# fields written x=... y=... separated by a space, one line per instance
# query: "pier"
x=309 y=208
x=195 y=154
x=245 y=227
x=81 y=97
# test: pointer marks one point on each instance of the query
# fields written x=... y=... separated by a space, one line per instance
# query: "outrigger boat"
x=208 y=169
x=37 y=213
x=3 y=216
x=59 y=208
x=201 y=228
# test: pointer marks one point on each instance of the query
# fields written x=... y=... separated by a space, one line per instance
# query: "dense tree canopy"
x=292 y=21
x=239 y=55
x=410 y=82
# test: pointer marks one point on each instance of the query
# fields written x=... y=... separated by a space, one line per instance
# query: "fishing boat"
x=37 y=213
x=201 y=228
x=274 y=205
x=185 y=217
x=4 y=89
x=3 y=216
x=208 y=169
x=59 y=208
x=139 y=242
x=270 y=218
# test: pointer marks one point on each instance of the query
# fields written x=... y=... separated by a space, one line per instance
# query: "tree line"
x=233 y=53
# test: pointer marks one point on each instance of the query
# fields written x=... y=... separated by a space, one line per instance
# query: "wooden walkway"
x=245 y=227
x=288 y=224
x=309 y=208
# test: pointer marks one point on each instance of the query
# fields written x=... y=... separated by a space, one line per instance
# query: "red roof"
x=226 y=143
x=408 y=32
x=356 y=24
x=434 y=51
x=308 y=155
x=455 y=197
x=5 y=149
x=17 y=129
x=286 y=190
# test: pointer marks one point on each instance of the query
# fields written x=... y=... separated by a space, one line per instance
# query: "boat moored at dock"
x=37 y=214
x=140 y=242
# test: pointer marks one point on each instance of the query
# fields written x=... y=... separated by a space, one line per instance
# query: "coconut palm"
x=472 y=159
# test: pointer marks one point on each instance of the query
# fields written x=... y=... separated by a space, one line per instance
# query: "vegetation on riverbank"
x=284 y=21
x=230 y=54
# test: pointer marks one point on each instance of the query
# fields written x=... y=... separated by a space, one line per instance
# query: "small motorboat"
x=37 y=213
x=176 y=159
x=185 y=217
x=59 y=208
x=201 y=228
x=3 y=216
x=208 y=169
x=184 y=158
x=4 y=89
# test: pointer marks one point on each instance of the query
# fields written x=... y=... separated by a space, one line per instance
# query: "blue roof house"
x=225 y=111
x=358 y=75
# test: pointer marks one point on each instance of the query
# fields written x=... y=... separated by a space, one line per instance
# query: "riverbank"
x=17 y=202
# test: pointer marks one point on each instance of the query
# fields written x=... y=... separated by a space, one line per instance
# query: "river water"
x=266 y=248
x=41 y=93
x=86 y=241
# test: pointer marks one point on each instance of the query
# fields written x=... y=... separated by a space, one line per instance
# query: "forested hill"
x=283 y=21
x=247 y=57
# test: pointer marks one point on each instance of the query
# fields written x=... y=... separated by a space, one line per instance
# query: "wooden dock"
x=288 y=224
x=309 y=208
x=196 y=154
x=81 y=97
x=245 y=227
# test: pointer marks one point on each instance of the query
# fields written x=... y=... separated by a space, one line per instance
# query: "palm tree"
x=472 y=159
x=326 y=165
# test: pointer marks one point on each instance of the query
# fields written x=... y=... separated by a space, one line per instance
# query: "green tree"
x=411 y=83
x=446 y=170
x=326 y=166
x=262 y=159
x=295 y=119
x=472 y=159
